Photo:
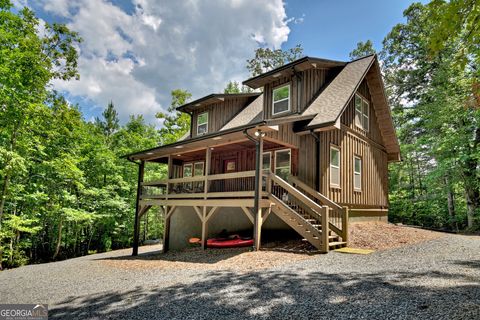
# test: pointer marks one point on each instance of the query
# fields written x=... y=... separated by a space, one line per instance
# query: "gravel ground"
x=381 y=236
x=435 y=279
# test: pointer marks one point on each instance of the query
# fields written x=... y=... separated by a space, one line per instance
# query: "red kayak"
x=231 y=242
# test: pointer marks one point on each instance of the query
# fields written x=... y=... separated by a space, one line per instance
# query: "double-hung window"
x=202 y=123
x=281 y=99
x=283 y=163
x=362 y=112
x=334 y=167
x=357 y=173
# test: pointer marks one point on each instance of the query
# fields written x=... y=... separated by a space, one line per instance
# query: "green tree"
x=28 y=63
x=235 y=87
x=267 y=59
x=110 y=122
x=437 y=117
x=362 y=49
x=176 y=124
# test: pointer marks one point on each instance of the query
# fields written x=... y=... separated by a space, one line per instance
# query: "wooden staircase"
x=308 y=218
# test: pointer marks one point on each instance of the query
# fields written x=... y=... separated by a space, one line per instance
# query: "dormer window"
x=281 y=99
x=362 y=112
x=202 y=123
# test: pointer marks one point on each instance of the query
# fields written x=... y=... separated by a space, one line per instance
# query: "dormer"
x=289 y=89
x=210 y=113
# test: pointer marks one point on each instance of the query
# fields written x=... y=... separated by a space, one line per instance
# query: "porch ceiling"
x=195 y=148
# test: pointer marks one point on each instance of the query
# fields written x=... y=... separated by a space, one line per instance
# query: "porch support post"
x=204 y=228
x=208 y=155
x=257 y=232
x=166 y=209
x=136 y=228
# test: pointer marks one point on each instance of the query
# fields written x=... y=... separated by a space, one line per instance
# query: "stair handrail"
x=320 y=211
x=343 y=211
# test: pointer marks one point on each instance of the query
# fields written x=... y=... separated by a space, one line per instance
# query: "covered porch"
x=214 y=173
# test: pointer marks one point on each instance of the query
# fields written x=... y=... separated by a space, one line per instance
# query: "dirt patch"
x=381 y=236
x=239 y=259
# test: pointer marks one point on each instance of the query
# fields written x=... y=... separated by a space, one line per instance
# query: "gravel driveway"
x=437 y=279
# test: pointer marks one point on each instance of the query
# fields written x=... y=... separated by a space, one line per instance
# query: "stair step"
x=337 y=244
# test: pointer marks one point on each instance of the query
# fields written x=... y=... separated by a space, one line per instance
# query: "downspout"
x=317 y=160
x=256 y=199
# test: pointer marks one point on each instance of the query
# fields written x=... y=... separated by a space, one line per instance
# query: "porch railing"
x=235 y=184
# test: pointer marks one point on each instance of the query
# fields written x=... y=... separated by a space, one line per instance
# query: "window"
x=362 y=112
x=281 y=99
x=266 y=162
x=202 y=123
x=334 y=167
x=282 y=163
x=357 y=173
x=187 y=172
x=198 y=169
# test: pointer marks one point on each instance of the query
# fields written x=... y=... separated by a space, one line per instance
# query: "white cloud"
x=136 y=59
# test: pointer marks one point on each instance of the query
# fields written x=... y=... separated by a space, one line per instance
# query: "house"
x=310 y=152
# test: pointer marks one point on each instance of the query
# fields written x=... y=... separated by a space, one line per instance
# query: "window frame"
x=330 y=165
x=201 y=124
x=269 y=160
x=363 y=112
x=188 y=164
x=203 y=167
x=289 y=160
x=289 y=85
x=359 y=173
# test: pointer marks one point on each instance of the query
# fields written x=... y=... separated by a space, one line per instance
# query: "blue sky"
x=136 y=51
x=332 y=29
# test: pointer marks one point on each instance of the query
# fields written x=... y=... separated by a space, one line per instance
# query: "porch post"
x=208 y=153
x=258 y=192
x=136 y=228
x=166 y=224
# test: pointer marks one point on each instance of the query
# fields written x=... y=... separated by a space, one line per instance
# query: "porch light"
x=259 y=134
x=276 y=75
x=178 y=147
x=149 y=153
x=217 y=138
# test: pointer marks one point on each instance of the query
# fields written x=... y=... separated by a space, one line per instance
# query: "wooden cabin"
x=309 y=151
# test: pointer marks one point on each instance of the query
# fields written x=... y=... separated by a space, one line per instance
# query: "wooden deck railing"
x=235 y=184
x=338 y=216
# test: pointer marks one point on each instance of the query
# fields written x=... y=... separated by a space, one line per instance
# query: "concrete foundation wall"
x=368 y=216
x=185 y=224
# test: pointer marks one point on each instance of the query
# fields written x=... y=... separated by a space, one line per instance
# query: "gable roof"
x=252 y=113
x=330 y=104
x=212 y=98
x=289 y=68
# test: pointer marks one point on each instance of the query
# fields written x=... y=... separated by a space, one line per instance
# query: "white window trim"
x=289 y=160
x=203 y=167
x=201 y=124
x=334 y=185
x=289 y=100
x=270 y=157
x=355 y=173
x=362 y=99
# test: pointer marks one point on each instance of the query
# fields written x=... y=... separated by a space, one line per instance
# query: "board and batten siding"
x=301 y=92
x=353 y=141
x=219 y=113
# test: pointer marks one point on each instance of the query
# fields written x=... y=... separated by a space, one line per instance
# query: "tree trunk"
x=451 y=204
x=59 y=239
x=472 y=188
